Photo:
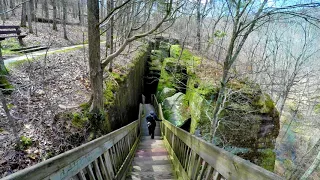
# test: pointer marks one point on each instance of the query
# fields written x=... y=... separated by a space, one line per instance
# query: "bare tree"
x=54 y=6
x=97 y=67
x=64 y=6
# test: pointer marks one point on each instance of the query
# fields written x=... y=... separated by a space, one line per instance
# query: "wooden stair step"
x=159 y=162
x=151 y=175
x=152 y=168
x=150 y=154
x=151 y=158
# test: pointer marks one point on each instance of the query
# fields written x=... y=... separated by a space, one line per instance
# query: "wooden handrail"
x=107 y=157
x=197 y=159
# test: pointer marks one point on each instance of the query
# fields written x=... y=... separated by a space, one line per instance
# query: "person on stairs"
x=151 y=122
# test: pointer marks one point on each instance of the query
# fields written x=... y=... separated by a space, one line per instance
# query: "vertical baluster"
x=116 y=156
x=192 y=161
x=97 y=169
x=90 y=172
x=108 y=164
x=185 y=153
x=209 y=173
x=187 y=158
x=113 y=158
x=179 y=149
x=103 y=169
x=196 y=167
x=81 y=175
x=203 y=168
x=216 y=175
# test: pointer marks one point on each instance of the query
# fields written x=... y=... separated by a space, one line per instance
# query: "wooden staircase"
x=151 y=161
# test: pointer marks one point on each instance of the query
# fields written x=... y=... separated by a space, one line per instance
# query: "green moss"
x=187 y=58
x=1 y=130
x=118 y=77
x=111 y=87
x=8 y=44
x=4 y=83
x=267 y=159
x=24 y=143
x=265 y=104
x=79 y=120
x=85 y=106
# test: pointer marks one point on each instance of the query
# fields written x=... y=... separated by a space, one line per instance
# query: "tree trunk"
x=45 y=8
x=32 y=10
x=96 y=72
x=198 y=45
x=29 y=17
x=12 y=4
x=79 y=12
x=2 y=11
x=54 y=6
x=3 y=70
x=64 y=4
x=109 y=33
x=10 y=119
x=6 y=5
x=24 y=15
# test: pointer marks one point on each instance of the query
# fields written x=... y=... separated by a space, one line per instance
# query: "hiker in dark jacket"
x=151 y=122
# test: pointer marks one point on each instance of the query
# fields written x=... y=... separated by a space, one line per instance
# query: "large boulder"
x=165 y=93
x=176 y=109
x=249 y=122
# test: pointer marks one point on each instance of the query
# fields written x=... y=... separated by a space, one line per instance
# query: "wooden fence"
x=107 y=157
x=196 y=159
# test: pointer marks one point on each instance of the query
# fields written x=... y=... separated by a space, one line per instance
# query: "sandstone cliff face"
x=249 y=122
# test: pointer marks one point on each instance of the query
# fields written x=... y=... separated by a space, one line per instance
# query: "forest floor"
x=45 y=89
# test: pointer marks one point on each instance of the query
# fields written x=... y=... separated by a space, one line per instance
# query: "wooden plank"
x=103 y=169
x=124 y=168
x=81 y=175
x=10 y=32
x=209 y=173
x=9 y=27
x=203 y=168
x=90 y=172
x=196 y=167
x=176 y=163
x=71 y=162
x=109 y=165
x=97 y=169
x=227 y=164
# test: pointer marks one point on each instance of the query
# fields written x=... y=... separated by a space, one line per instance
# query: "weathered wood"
x=17 y=31
x=10 y=32
x=81 y=175
x=9 y=27
x=97 y=169
x=78 y=161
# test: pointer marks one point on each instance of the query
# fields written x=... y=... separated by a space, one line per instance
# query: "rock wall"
x=249 y=122
x=122 y=96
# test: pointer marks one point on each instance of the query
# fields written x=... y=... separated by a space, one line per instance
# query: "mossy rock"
x=187 y=58
x=165 y=93
x=176 y=109
x=173 y=75
x=268 y=157
x=165 y=49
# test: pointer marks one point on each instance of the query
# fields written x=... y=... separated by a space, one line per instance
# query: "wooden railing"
x=107 y=157
x=196 y=159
